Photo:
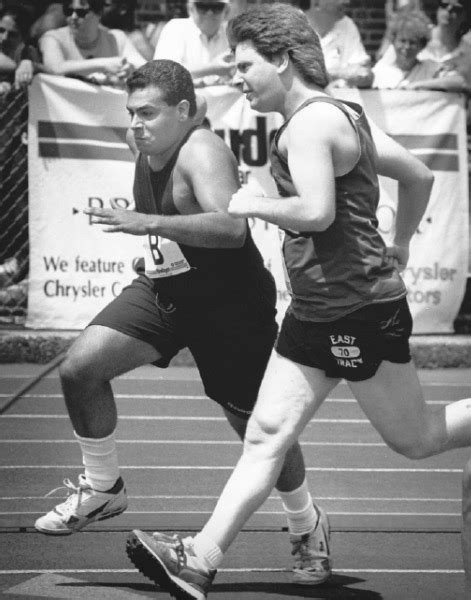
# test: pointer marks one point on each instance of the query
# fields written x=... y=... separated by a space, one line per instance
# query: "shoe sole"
x=150 y=565
x=300 y=577
x=71 y=531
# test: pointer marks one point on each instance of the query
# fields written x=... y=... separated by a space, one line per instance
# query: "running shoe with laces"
x=84 y=505
x=313 y=564
x=169 y=562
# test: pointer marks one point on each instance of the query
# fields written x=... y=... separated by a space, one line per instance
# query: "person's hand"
x=117 y=65
x=397 y=256
x=24 y=74
x=5 y=87
x=119 y=219
x=241 y=204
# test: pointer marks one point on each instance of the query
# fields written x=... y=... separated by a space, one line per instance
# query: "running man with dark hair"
x=204 y=286
x=348 y=317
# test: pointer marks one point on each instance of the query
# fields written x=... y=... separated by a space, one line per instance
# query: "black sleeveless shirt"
x=215 y=272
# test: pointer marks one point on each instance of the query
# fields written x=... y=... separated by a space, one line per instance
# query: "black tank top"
x=337 y=271
x=215 y=272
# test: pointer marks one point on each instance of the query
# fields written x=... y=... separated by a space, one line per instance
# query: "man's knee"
x=266 y=437
x=79 y=368
x=414 y=450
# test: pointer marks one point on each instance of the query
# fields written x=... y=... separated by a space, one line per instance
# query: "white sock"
x=300 y=510
x=100 y=459
x=208 y=553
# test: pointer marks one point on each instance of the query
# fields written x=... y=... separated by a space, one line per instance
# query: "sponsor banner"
x=78 y=157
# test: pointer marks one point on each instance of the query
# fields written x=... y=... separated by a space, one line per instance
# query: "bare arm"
x=207 y=171
x=311 y=145
x=415 y=183
x=56 y=63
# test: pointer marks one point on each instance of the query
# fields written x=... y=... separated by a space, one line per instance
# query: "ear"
x=282 y=62
x=183 y=110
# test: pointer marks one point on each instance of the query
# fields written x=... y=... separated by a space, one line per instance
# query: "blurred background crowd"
x=379 y=44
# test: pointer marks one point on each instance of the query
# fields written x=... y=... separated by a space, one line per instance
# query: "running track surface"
x=395 y=522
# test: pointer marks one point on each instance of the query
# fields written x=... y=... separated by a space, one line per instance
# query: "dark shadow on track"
x=334 y=589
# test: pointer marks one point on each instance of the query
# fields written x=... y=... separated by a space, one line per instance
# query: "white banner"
x=78 y=158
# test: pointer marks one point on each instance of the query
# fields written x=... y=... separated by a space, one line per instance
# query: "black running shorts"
x=352 y=347
x=230 y=338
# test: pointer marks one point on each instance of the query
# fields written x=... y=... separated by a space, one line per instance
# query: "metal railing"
x=14 y=244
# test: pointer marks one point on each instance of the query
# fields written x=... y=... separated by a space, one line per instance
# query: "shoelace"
x=73 y=491
x=301 y=546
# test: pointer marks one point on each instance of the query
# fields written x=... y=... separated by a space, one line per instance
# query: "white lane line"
x=254 y=570
x=193 y=442
x=265 y=512
x=231 y=468
x=163 y=418
x=195 y=398
x=277 y=498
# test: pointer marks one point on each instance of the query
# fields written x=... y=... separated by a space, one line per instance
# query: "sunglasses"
x=215 y=7
x=80 y=12
x=453 y=8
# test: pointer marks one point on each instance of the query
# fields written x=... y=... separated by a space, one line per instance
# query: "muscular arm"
x=414 y=178
x=311 y=143
x=205 y=178
x=415 y=183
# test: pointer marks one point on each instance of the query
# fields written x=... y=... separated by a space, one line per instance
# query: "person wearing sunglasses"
x=84 y=48
x=453 y=20
x=450 y=47
x=199 y=42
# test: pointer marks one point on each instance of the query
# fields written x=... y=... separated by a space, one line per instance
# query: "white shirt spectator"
x=181 y=40
x=342 y=46
x=390 y=76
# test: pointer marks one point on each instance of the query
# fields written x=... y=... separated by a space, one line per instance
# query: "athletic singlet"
x=209 y=272
x=335 y=272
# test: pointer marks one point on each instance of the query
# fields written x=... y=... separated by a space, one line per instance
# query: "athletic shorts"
x=230 y=339
x=352 y=347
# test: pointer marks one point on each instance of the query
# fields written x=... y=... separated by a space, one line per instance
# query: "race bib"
x=163 y=258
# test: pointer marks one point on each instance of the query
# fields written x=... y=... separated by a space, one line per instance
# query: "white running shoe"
x=313 y=564
x=84 y=505
x=170 y=562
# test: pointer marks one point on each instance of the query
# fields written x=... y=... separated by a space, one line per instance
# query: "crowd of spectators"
x=99 y=41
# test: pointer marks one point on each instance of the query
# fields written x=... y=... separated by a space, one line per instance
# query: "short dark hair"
x=96 y=6
x=276 y=28
x=173 y=80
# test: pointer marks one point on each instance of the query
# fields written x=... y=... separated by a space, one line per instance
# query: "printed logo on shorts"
x=345 y=352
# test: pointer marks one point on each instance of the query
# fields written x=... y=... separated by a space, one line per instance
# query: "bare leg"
x=293 y=471
x=394 y=403
x=96 y=357
x=288 y=398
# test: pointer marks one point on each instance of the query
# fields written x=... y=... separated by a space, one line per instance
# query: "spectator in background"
x=409 y=34
x=347 y=61
x=392 y=7
x=52 y=17
x=19 y=60
x=453 y=21
x=87 y=49
x=120 y=14
x=199 y=42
